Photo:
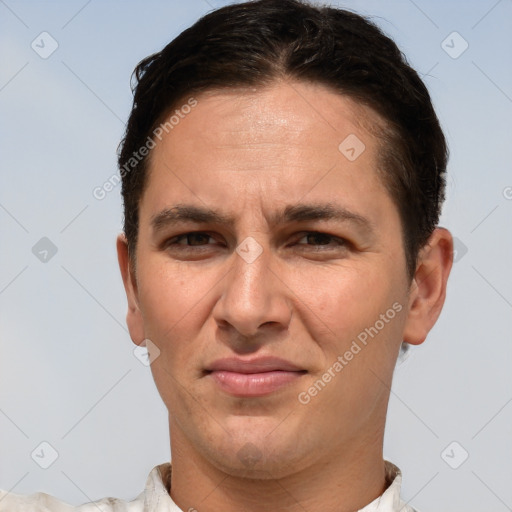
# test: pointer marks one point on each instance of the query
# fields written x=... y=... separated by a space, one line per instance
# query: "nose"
x=253 y=297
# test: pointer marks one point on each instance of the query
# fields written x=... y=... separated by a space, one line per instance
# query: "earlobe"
x=134 y=318
x=428 y=289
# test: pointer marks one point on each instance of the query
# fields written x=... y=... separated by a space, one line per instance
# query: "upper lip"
x=257 y=365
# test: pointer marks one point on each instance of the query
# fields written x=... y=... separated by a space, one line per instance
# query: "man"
x=283 y=174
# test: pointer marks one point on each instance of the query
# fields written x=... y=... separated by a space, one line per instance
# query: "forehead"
x=295 y=112
x=282 y=143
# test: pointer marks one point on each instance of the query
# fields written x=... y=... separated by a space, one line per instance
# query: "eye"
x=195 y=238
x=319 y=239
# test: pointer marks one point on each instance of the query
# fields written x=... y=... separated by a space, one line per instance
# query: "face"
x=266 y=232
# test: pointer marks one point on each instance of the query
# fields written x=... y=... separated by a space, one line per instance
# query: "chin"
x=253 y=453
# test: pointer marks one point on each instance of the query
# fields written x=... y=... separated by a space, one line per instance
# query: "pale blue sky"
x=67 y=372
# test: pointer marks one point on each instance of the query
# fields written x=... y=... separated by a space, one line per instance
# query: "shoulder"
x=37 y=502
x=41 y=502
x=154 y=493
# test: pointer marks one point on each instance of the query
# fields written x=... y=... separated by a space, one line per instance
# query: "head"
x=283 y=173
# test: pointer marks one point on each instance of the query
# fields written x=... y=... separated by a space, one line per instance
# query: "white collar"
x=156 y=496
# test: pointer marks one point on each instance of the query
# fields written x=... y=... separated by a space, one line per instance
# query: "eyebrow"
x=292 y=213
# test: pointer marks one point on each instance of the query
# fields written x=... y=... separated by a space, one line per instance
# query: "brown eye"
x=196 y=238
x=322 y=239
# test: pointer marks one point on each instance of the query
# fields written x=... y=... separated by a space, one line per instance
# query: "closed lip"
x=257 y=365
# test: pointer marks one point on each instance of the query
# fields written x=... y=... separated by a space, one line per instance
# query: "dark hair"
x=254 y=44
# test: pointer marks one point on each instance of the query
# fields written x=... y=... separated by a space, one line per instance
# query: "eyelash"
x=174 y=240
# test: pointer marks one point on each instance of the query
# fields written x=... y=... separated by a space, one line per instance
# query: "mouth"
x=255 y=377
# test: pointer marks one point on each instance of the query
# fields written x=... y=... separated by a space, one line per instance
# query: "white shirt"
x=156 y=498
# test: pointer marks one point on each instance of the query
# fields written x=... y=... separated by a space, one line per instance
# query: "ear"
x=428 y=288
x=134 y=318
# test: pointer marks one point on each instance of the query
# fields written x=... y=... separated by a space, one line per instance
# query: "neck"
x=343 y=480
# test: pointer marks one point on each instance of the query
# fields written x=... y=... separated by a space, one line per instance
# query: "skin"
x=305 y=298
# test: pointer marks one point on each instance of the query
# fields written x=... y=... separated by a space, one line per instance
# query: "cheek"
x=169 y=298
x=364 y=312
x=348 y=299
x=173 y=309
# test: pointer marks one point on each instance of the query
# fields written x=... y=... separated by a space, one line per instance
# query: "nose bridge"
x=250 y=277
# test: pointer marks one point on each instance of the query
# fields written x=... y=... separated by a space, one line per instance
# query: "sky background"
x=68 y=373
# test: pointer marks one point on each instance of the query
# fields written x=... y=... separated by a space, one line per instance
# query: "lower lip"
x=253 y=384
